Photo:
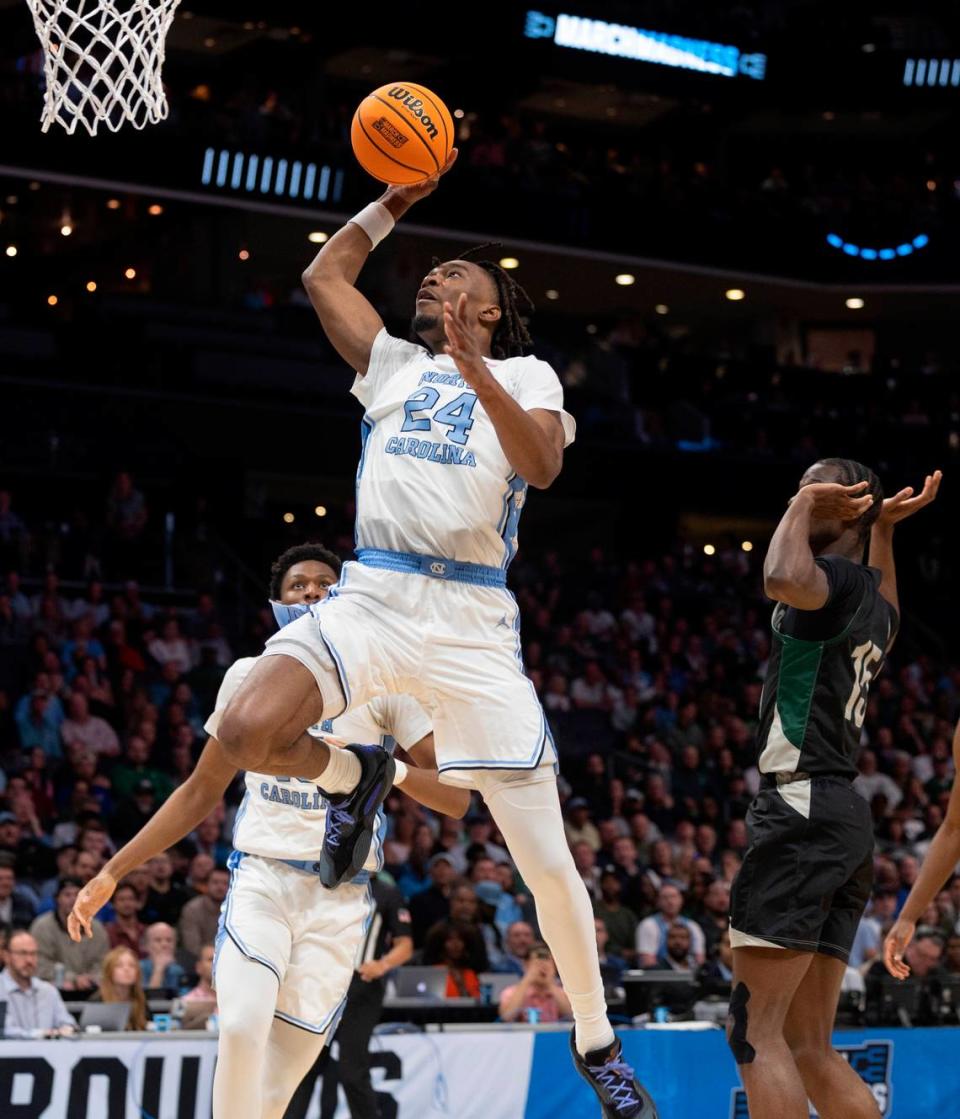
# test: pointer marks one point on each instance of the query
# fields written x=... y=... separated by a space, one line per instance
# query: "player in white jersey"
x=457 y=425
x=287 y=946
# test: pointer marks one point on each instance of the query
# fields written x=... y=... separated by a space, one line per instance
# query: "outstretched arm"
x=942 y=857
x=190 y=803
x=349 y=320
x=423 y=782
x=790 y=571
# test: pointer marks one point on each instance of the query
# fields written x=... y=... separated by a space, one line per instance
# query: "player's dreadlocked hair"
x=300 y=553
x=511 y=337
x=850 y=474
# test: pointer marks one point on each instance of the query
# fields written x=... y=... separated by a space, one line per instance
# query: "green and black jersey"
x=821 y=664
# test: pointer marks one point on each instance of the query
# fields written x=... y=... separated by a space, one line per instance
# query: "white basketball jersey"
x=284 y=817
x=433 y=479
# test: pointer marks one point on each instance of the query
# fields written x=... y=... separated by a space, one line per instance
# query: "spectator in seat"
x=171 y=648
x=433 y=904
x=133 y=813
x=612 y=967
x=160 y=968
x=578 y=827
x=199 y=918
x=714 y=915
x=677 y=954
x=465 y=913
x=16 y=907
x=204 y=990
x=209 y=841
x=126 y=929
x=120 y=981
x=34 y=1007
x=619 y=921
x=517 y=943
x=719 y=970
x=81 y=962
x=38 y=725
x=127 y=775
x=652 y=932
x=447 y=947
x=88 y=732
x=539 y=989
x=165 y=898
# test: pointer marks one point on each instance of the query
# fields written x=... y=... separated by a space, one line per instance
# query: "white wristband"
x=401 y=774
x=376 y=221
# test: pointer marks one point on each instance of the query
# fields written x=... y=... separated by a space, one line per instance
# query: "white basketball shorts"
x=453 y=646
x=308 y=936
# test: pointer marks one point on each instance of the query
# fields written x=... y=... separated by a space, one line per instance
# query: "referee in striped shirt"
x=388 y=944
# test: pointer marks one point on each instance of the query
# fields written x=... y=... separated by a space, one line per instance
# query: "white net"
x=103 y=61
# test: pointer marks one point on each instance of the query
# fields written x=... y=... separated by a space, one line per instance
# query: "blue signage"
x=657 y=47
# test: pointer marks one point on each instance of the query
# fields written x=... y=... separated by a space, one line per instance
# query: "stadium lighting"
x=662 y=309
x=509 y=262
x=288 y=518
x=155 y=210
x=625 y=279
x=11 y=250
x=113 y=203
x=747 y=545
x=317 y=237
x=552 y=293
x=66 y=229
x=735 y=294
x=131 y=273
x=52 y=300
x=709 y=550
x=244 y=254
x=459 y=114
x=855 y=303
x=91 y=285
x=321 y=510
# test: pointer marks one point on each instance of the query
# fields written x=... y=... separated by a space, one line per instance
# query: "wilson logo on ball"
x=415 y=105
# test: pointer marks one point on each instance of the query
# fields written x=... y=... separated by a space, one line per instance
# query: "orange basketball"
x=402 y=133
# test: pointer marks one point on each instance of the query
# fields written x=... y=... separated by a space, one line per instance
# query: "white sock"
x=401 y=774
x=342 y=774
x=529 y=818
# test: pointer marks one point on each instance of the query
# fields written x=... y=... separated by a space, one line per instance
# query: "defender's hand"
x=898 y=938
x=904 y=504
x=91 y=899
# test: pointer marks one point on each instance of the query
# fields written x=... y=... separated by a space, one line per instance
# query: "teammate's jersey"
x=433 y=479
x=815 y=695
x=284 y=817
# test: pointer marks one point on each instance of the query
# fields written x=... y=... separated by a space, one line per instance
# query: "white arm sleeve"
x=235 y=675
x=402 y=718
x=387 y=357
x=536 y=385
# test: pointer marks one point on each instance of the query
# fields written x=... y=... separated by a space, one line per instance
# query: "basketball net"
x=103 y=61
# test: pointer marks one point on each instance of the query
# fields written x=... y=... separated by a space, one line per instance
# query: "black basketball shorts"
x=808 y=871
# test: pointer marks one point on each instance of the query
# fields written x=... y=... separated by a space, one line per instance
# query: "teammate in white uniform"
x=287 y=946
x=456 y=426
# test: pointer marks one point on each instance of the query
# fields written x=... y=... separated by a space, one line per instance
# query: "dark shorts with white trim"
x=808 y=871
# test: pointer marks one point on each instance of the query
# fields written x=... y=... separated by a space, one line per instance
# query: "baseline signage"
x=913 y=1074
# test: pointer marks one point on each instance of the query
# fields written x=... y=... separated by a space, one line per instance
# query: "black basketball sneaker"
x=621 y=1094
x=352 y=817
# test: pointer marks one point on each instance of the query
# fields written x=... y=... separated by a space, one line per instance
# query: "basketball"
x=402 y=133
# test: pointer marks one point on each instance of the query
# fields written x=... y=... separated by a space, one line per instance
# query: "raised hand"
x=904 y=504
x=91 y=899
x=461 y=344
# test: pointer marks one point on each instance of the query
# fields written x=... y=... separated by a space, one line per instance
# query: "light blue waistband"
x=359 y=879
x=307 y=865
x=435 y=567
